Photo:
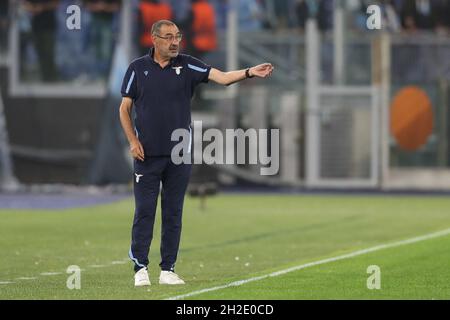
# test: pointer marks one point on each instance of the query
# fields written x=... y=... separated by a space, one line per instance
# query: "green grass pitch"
x=237 y=237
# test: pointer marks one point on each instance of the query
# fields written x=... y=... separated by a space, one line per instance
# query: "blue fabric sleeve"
x=129 y=86
x=198 y=70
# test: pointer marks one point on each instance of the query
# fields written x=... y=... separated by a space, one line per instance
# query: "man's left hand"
x=262 y=70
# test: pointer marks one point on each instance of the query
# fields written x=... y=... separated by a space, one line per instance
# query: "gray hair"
x=156 y=27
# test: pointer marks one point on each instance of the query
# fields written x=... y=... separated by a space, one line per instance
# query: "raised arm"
x=226 y=78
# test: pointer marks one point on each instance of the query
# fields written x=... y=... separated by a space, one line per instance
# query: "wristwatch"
x=247 y=73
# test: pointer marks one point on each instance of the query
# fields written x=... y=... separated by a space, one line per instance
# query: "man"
x=43 y=23
x=101 y=34
x=160 y=85
x=203 y=36
x=4 y=25
x=151 y=11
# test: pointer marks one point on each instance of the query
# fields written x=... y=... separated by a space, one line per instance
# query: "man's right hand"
x=136 y=150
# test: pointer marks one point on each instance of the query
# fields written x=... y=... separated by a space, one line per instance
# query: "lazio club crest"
x=177 y=70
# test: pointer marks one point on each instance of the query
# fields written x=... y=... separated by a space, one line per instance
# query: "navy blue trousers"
x=149 y=175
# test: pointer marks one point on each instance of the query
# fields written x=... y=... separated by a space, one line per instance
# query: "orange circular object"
x=411 y=118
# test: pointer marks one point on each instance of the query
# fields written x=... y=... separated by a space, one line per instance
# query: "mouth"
x=173 y=49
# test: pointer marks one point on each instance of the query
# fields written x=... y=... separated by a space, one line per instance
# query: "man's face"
x=166 y=42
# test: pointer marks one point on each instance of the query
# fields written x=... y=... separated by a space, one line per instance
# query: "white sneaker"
x=169 y=277
x=141 y=278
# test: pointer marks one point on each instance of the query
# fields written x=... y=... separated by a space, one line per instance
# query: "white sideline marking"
x=125 y=260
x=50 y=273
x=59 y=273
x=26 y=278
x=97 y=266
x=319 y=262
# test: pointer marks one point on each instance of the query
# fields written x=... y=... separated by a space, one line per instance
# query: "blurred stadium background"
x=358 y=110
x=344 y=97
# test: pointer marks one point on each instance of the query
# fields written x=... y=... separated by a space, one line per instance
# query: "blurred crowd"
x=45 y=40
x=86 y=54
x=409 y=16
